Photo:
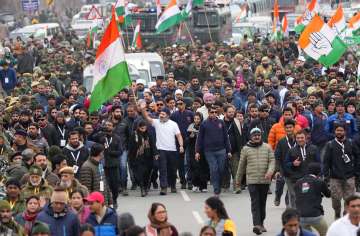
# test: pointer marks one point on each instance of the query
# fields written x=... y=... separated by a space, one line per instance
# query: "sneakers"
x=204 y=190
x=257 y=230
x=195 y=189
x=163 y=191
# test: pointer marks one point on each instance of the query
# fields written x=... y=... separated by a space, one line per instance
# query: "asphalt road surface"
x=186 y=210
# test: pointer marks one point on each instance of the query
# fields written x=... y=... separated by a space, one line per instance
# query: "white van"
x=82 y=27
x=40 y=31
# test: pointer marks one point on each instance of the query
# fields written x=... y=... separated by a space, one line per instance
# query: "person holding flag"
x=137 y=41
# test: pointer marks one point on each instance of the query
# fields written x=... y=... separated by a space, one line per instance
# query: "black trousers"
x=258 y=196
x=113 y=178
x=141 y=171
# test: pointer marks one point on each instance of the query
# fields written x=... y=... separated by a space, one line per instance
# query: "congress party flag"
x=170 y=17
x=137 y=41
x=337 y=21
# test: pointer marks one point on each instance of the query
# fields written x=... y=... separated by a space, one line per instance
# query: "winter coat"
x=303 y=232
x=12 y=229
x=64 y=224
x=83 y=214
x=113 y=152
x=44 y=190
x=277 y=132
x=51 y=178
x=76 y=185
x=255 y=162
x=108 y=225
x=91 y=173
x=19 y=206
x=72 y=153
x=11 y=81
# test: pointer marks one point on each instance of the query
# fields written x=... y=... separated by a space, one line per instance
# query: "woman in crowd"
x=198 y=169
x=87 y=230
x=78 y=206
x=218 y=217
x=207 y=230
x=142 y=152
x=159 y=224
x=27 y=218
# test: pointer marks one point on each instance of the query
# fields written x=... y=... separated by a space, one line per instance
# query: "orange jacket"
x=277 y=132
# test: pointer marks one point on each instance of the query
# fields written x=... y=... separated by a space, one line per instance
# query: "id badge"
x=75 y=168
x=346 y=158
x=6 y=80
x=62 y=143
x=102 y=188
x=106 y=146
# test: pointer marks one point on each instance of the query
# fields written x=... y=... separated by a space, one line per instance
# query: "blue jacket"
x=303 y=232
x=319 y=136
x=183 y=119
x=10 y=73
x=213 y=136
x=67 y=225
x=348 y=120
x=108 y=225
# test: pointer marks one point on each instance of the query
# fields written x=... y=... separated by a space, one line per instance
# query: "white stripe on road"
x=198 y=218
x=185 y=196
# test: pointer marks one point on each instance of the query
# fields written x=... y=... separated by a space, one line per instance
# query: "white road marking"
x=185 y=196
x=198 y=218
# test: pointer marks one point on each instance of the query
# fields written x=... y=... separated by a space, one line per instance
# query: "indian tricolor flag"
x=137 y=42
x=337 y=21
x=158 y=8
x=299 y=26
x=110 y=69
x=311 y=10
x=284 y=24
x=122 y=12
x=321 y=43
x=170 y=17
x=276 y=16
x=354 y=22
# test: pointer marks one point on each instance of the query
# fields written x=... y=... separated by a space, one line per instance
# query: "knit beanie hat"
x=40 y=228
x=59 y=196
x=4 y=205
x=13 y=181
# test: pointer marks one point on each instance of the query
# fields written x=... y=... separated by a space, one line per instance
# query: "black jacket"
x=72 y=154
x=281 y=151
x=297 y=172
x=334 y=164
x=309 y=191
x=113 y=151
x=237 y=139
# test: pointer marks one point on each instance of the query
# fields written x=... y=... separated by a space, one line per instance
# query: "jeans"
x=291 y=191
x=123 y=168
x=258 y=195
x=317 y=223
x=168 y=162
x=279 y=189
x=216 y=161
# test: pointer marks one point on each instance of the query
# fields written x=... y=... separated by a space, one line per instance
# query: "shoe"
x=263 y=229
x=237 y=191
x=125 y=193
x=204 y=190
x=173 y=189
x=190 y=186
x=163 y=191
x=195 y=189
x=257 y=230
x=225 y=190
x=276 y=202
x=183 y=186
x=155 y=185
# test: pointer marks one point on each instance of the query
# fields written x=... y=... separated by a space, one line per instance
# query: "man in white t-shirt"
x=167 y=131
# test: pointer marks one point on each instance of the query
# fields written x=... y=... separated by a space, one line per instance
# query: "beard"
x=164 y=119
x=117 y=117
x=65 y=184
x=35 y=184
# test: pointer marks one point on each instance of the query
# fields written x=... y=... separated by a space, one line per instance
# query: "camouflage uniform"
x=44 y=190
x=341 y=189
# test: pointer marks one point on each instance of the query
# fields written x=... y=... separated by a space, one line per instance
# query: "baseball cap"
x=95 y=197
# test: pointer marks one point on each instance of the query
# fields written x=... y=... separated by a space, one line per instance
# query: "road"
x=185 y=210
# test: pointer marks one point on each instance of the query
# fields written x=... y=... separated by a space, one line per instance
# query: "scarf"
x=251 y=144
x=143 y=143
x=29 y=221
x=163 y=227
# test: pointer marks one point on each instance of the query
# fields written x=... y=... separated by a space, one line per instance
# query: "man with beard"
x=112 y=144
x=24 y=121
x=20 y=142
x=209 y=100
x=194 y=90
x=13 y=191
x=36 y=139
x=258 y=162
x=264 y=69
x=8 y=225
x=75 y=151
x=69 y=183
x=341 y=165
x=16 y=169
x=41 y=161
x=181 y=70
x=64 y=107
x=167 y=132
x=75 y=119
x=41 y=96
x=62 y=131
x=47 y=130
x=36 y=185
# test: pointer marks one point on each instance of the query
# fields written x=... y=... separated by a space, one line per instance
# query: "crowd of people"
x=237 y=116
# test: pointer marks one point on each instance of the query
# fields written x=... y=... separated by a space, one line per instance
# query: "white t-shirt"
x=342 y=226
x=165 y=134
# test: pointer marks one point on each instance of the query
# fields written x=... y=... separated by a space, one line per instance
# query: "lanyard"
x=341 y=145
x=77 y=156
x=288 y=143
x=107 y=142
x=101 y=170
x=12 y=204
x=303 y=152
x=62 y=132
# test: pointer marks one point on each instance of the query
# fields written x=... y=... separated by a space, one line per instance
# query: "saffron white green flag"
x=137 y=42
x=158 y=8
x=170 y=17
x=337 y=21
x=311 y=10
x=110 y=69
x=321 y=43
x=122 y=12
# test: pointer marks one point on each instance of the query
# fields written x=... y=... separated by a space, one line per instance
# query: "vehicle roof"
x=243 y=24
x=145 y=56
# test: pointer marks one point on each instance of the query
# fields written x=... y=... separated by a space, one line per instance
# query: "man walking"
x=166 y=132
x=340 y=167
x=213 y=140
x=257 y=161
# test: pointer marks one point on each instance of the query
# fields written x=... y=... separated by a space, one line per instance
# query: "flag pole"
x=191 y=38
x=207 y=22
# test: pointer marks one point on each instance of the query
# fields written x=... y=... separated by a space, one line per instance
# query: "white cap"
x=140 y=81
x=290 y=81
x=178 y=91
x=152 y=84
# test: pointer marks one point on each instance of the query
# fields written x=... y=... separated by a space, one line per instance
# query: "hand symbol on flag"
x=321 y=45
x=307 y=17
